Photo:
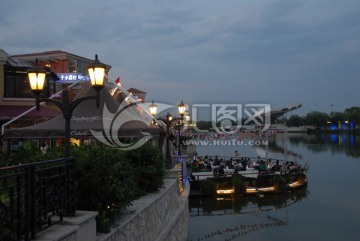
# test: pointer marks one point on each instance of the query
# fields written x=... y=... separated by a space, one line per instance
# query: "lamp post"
x=182 y=109
x=187 y=118
x=37 y=78
x=168 y=120
x=153 y=109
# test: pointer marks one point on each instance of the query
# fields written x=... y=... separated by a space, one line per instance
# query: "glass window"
x=80 y=67
x=72 y=66
x=16 y=84
x=76 y=66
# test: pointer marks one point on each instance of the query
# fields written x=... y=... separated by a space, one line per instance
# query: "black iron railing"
x=35 y=196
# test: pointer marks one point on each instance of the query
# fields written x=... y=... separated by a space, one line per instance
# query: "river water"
x=327 y=209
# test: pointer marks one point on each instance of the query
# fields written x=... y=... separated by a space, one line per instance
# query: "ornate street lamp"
x=97 y=75
x=153 y=109
x=187 y=118
x=169 y=117
x=182 y=110
x=168 y=120
x=37 y=78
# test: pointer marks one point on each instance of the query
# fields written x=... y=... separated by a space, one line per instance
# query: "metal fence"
x=34 y=197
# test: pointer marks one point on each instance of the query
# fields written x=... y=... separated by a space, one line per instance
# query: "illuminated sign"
x=72 y=77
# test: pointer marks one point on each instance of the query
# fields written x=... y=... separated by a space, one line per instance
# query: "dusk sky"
x=278 y=52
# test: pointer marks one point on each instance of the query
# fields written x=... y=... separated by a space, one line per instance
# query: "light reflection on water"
x=234 y=218
x=328 y=209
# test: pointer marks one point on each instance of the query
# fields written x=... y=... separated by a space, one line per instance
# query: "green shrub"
x=28 y=152
x=4 y=161
x=103 y=182
x=149 y=167
x=107 y=179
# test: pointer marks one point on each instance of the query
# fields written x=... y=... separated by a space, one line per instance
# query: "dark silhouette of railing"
x=34 y=197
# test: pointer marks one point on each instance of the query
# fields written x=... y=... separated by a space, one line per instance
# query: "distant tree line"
x=351 y=116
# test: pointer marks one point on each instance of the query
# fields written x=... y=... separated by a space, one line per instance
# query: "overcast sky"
x=278 y=52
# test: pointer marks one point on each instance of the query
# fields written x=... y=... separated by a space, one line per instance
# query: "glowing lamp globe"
x=153 y=109
x=182 y=108
x=36 y=77
x=97 y=73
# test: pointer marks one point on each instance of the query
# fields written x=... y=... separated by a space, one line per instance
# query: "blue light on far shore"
x=334 y=138
x=352 y=125
x=352 y=140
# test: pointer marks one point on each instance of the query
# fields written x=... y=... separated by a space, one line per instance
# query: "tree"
x=352 y=114
x=337 y=117
x=295 y=120
x=316 y=118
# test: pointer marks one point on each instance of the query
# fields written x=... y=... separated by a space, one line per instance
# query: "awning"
x=8 y=112
x=87 y=119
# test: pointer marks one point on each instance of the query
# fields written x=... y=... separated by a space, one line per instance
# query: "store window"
x=76 y=66
x=72 y=66
x=16 y=84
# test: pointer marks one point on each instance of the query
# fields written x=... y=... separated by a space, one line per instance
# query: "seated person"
x=221 y=170
x=262 y=166
x=244 y=164
x=276 y=167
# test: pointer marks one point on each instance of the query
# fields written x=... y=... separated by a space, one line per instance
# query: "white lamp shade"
x=97 y=75
x=153 y=109
x=182 y=108
x=37 y=80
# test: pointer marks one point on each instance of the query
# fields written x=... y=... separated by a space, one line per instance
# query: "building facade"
x=15 y=93
x=17 y=102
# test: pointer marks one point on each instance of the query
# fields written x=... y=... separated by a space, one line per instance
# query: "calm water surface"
x=328 y=209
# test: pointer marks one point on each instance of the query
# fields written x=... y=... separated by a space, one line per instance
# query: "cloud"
x=276 y=51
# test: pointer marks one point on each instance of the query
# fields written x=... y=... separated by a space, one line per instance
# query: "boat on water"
x=243 y=175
